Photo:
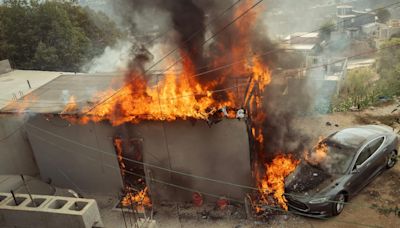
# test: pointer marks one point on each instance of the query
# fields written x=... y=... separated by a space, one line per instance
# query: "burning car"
x=339 y=167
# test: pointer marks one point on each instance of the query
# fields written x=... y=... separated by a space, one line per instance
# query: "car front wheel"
x=338 y=205
x=392 y=159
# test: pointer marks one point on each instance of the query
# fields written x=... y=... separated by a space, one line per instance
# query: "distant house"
x=376 y=30
x=381 y=32
x=302 y=42
x=348 y=18
x=394 y=26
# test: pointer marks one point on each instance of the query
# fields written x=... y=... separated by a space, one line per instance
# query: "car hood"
x=308 y=180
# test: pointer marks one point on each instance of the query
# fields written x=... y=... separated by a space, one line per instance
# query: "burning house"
x=199 y=130
x=85 y=156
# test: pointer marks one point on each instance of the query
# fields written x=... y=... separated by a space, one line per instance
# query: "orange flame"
x=141 y=198
x=172 y=98
x=71 y=106
x=118 y=148
x=318 y=154
x=273 y=180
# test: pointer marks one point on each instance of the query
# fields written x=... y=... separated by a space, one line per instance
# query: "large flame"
x=175 y=96
x=186 y=95
x=273 y=180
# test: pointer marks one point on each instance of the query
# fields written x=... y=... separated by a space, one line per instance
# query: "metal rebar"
x=27 y=190
x=122 y=209
x=15 y=199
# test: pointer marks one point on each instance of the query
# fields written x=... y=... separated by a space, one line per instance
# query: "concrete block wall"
x=50 y=211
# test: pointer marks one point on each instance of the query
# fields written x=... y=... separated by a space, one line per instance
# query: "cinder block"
x=48 y=211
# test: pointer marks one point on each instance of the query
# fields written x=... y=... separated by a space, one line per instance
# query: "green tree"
x=52 y=35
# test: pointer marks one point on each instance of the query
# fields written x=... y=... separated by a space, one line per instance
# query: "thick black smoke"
x=188 y=20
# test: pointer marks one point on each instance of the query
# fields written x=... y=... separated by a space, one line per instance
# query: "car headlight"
x=318 y=200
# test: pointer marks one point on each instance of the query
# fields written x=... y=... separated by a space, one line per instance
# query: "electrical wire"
x=255 y=56
x=297 y=69
x=244 y=84
x=192 y=36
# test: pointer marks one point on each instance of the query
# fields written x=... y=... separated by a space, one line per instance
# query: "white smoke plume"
x=113 y=59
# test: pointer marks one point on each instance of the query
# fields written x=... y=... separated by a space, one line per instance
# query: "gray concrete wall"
x=16 y=156
x=220 y=152
x=61 y=155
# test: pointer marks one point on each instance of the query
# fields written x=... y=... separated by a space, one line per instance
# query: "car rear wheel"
x=338 y=205
x=392 y=159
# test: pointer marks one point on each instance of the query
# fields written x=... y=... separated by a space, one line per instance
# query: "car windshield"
x=331 y=157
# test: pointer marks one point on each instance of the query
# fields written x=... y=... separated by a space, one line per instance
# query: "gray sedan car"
x=320 y=186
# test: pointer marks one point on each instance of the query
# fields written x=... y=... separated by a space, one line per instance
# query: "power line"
x=245 y=59
x=192 y=36
x=244 y=84
x=298 y=69
x=219 y=31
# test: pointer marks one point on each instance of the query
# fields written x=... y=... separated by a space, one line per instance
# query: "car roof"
x=356 y=136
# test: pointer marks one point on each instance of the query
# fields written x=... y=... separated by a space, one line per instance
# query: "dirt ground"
x=378 y=205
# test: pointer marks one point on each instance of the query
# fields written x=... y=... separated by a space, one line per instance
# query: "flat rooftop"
x=14 y=84
x=51 y=92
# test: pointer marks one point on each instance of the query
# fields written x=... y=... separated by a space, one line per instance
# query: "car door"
x=360 y=169
x=367 y=165
x=377 y=158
